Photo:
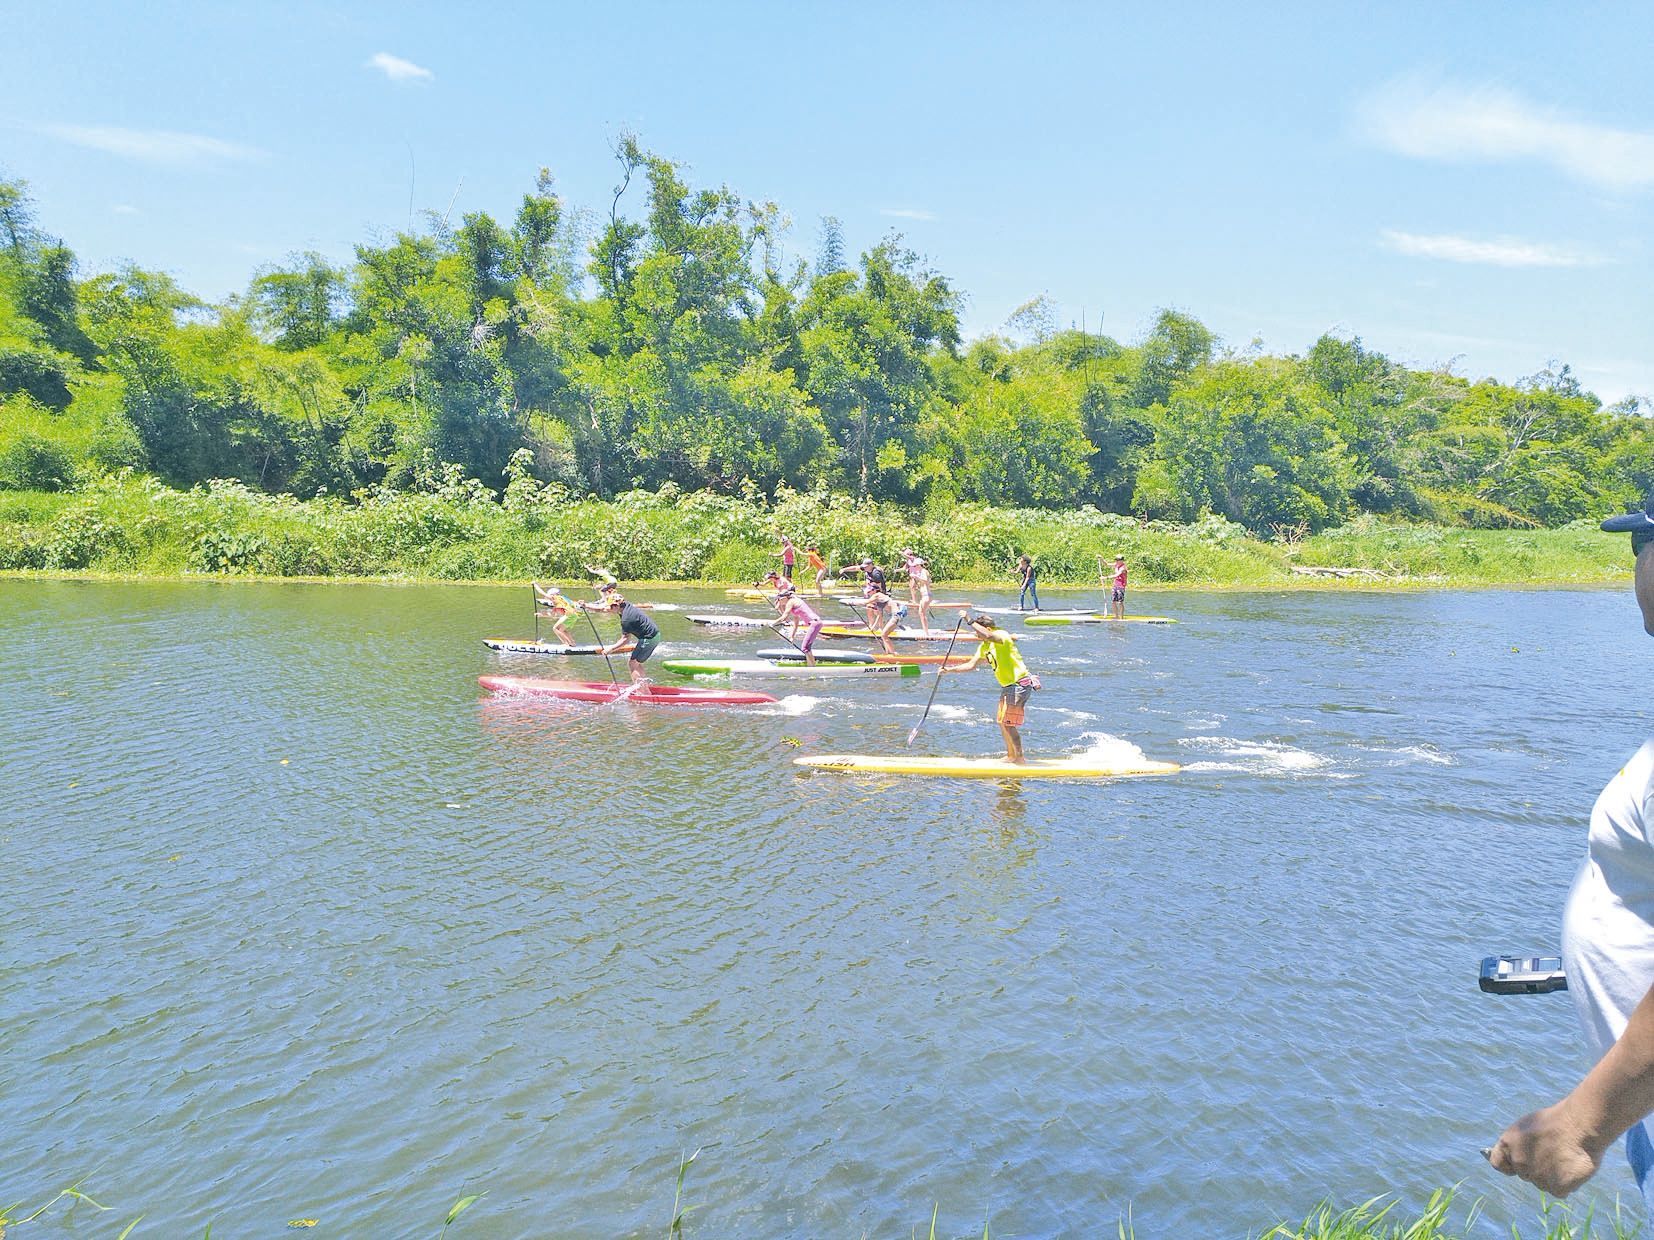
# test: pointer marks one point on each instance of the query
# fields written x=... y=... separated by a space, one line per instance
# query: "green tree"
x=1252 y=441
x=865 y=342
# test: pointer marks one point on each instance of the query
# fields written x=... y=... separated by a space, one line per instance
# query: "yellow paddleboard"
x=1080 y=766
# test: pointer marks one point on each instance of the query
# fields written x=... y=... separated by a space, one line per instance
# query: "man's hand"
x=1548 y=1150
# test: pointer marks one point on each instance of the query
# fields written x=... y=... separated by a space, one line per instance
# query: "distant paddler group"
x=803 y=627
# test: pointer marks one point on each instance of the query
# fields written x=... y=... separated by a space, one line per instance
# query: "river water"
x=299 y=925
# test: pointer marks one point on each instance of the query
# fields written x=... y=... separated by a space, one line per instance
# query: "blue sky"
x=1464 y=182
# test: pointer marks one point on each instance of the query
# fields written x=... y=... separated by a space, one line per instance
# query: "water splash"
x=1110 y=750
x=1403 y=754
x=793 y=705
x=1254 y=757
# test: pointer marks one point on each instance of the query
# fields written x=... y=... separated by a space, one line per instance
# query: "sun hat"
x=1638 y=522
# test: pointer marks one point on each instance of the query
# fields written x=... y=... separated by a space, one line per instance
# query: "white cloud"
x=907 y=213
x=1451 y=123
x=124 y=208
x=397 y=69
x=151 y=146
x=1493 y=252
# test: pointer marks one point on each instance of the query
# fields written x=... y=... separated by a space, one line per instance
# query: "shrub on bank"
x=458 y=531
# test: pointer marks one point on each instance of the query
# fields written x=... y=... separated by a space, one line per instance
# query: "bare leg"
x=1013 y=743
x=562 y=633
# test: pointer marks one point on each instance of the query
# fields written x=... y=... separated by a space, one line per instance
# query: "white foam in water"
x=1080 y=716
x=1418 y=753
x=1108 y=749
x=791 y=706
x=1256 y=757
x=938 y=710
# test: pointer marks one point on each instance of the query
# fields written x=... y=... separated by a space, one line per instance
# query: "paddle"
x=600 y=645
x=778 y=623
x=941 y=670
x=535 y=589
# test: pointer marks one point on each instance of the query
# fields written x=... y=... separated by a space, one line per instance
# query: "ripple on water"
x=303 y=924
x=1259 y=757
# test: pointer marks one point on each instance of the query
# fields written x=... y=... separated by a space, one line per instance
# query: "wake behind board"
x=1079 y=766
x=1092 y=618
x=794 y=667
x=599 y=691
x=506 y=645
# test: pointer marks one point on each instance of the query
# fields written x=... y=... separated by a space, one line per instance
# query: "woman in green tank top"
x=1016 y=683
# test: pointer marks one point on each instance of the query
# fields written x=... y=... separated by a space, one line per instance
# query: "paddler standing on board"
x=638 y=634
x=918 y=576
x=1117 y=600
x=871 y=574
x=559 y=607
x=884 y=616
x=789 y=556
x=1016 y=682
x=818 y=566
x=794 y=610
x=606 y=581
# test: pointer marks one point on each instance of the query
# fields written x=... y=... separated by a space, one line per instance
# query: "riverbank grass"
x=128 y=524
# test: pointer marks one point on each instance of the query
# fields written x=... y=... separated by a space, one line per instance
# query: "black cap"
x=1637 y=521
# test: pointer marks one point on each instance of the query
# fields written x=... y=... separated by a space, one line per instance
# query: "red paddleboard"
x=601 y=691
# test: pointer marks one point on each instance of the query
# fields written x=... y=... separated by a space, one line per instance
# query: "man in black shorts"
x=638 y=634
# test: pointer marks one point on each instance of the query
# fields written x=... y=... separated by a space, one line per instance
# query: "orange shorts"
x=1013 y=701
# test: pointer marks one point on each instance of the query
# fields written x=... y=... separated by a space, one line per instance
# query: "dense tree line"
x=674 y=341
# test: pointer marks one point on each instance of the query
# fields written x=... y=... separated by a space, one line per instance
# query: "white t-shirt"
x=1608 y=924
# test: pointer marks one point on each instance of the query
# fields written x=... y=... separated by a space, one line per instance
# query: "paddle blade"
x=913 y=736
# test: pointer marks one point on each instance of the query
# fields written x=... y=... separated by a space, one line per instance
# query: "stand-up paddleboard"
x=1079 y=766
x=751 y=594
x=734 y=622
x=1043 y=611
x=599 y=691
x=794 y=667
x=1092 y=618
x=506 y=645
x=859 y=605
x=791 y=654
x=862 y=656
x=902 y=634
x=925 y=660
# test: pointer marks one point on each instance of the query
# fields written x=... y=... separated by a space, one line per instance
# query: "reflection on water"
x=302 y=924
